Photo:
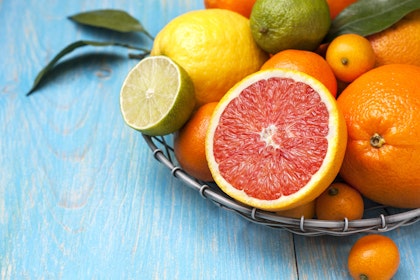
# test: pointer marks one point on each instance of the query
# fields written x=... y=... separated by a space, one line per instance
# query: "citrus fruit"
x=399 y=43
x=214 y=46
x=307 y=62
x=373 y=257
x=157 y=96
x=339 y=201
x=381 y=109
x=277 y=25
x=306 y=210
x=276 y=140
x=337 y=6
x=189 y=143
x=243 y=7
x=350 y=55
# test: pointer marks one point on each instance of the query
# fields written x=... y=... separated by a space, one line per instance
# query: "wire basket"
x=377 y=218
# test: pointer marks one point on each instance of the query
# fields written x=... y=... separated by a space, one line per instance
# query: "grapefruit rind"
x=337 y=139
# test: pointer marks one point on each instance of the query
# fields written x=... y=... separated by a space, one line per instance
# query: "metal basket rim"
x=308 y=227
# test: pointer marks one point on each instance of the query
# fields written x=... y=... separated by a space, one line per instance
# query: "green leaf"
x=366 y=17
x=115 y=20
x=71 y=48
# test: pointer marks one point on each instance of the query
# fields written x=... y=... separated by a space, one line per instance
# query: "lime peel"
x=157 y=96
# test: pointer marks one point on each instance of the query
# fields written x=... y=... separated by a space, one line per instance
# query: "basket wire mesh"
x=377 y=218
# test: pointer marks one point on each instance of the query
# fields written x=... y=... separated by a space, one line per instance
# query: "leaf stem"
x=70 y=48
x=148 y=35
x=139 y=56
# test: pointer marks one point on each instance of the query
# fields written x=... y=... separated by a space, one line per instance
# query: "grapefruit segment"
x=276 y=140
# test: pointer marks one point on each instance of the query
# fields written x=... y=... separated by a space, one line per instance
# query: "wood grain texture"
x=81 y=196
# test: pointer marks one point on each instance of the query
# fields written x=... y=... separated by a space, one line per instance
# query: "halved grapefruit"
x=276 y=140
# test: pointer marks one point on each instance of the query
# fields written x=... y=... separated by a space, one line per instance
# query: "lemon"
x=157 y=96
x=277 y=25
x=214 y=46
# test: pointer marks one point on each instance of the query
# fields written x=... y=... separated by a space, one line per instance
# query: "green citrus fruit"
x=277 y=25
x=157 y=96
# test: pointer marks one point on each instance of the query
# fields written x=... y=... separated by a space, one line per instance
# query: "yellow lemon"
x=214 y=46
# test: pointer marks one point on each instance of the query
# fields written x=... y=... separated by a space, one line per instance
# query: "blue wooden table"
x=81 y=195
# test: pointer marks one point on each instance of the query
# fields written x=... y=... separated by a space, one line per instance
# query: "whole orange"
x=307 y=62
x=382 y=157
x=399 y=43
x=243 y=7
x=336 y=6
x=350 y=55
x=339 y=201
x=373 y=257
x=189 y=143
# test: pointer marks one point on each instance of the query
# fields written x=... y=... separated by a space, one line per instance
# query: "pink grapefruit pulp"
x=276 y=140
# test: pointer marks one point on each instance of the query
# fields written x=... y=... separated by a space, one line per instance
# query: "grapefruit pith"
x=276 y=140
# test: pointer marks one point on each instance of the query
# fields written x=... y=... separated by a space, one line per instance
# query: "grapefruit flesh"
x=276 y=140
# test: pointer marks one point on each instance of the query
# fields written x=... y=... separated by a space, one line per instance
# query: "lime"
x=157 y=96
x=277 y=25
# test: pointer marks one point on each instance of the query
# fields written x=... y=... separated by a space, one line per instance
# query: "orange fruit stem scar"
x=333 y=191
x=377 y=141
